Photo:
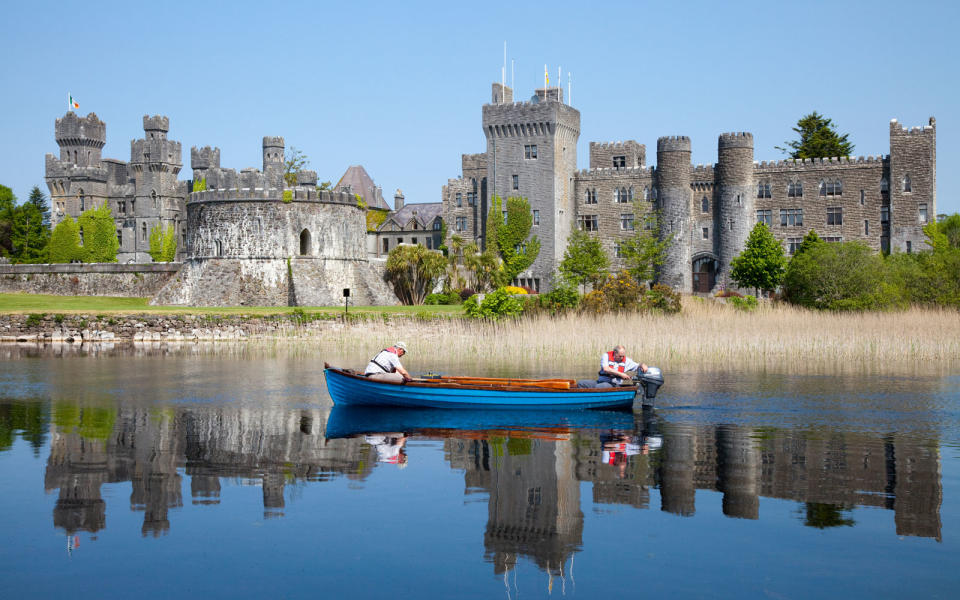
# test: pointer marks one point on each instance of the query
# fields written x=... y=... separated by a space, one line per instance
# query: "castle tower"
x=673 y=181
x=159 y=199
x=202 y=160
x=736 y=196
x=912 y=180
x=532 y=153
x=273 y=160
x=81 y=139
x=398 y=200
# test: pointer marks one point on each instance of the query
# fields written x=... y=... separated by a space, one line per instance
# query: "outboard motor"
x=650 y=382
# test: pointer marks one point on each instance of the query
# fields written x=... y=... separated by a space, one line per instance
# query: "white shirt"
x=387 y=359
x=630 y=364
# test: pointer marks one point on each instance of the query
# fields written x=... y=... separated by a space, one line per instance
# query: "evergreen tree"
x=584 y=260
x=39 y=200
x=818 y=139
x=29 y=235
x=64 y=244
x=762 y=263
x=7 y=204
x=509 y=237
x=100 y=243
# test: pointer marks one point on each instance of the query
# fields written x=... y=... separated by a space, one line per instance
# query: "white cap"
x=400 y=346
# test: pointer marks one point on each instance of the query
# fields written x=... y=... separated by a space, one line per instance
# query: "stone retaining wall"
x=96 y=279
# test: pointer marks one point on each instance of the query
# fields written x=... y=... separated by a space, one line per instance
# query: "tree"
x=509 y=237
x=7 y=204
x=644 y=252
x=414 y=271
x=38 y=199
x=163 y=243
x=7 y=199
x=64 y=244
x=29 y=235
x=950 y=227
x=762 y=263
x=584 y=260
x=293 y=162
x=809 y=241
x=99 y=235
x=818 y=139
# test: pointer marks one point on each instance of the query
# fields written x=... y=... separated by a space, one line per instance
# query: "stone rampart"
x=97 y=279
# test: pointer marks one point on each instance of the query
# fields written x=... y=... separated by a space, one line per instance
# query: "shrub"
x=448 y=298
x=288 y=196
x=663 y=299
x=728 y=294
x=512 y=289
x=466 y=293
x=839 y=276
x=558 y=301
x=64 y=246
x=495 y=305
x=746 y=303
x=100 y=243
x=620 y=293
x=34 y=319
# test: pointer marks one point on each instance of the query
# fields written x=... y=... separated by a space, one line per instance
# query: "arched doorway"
x=704 y=274
x=305 y=243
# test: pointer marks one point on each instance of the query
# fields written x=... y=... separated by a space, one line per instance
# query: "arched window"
x=906 y=184
x=82 y=199
x=884 y=185
x=630 y=192
x=153 y=194
x=305 y=243
x=219 y=248
x=143 y=232
x=704 y=205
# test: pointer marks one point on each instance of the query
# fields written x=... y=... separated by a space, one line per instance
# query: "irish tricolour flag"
x=71 y=103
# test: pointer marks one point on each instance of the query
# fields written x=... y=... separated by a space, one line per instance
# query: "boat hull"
x=352 y=390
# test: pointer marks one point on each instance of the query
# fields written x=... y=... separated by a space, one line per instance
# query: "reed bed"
x=706 y=334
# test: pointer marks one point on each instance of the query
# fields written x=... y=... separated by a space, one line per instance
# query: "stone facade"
x=101 y=279
x=141 y=194
x=707 y=210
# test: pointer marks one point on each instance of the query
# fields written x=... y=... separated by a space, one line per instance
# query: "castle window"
x=305 y=243
x=471 y=198
x=591 y=197
x=793 y=244
x=790 y=217
x=437 y=225
x=218 y=247
x=133 y=206
x=530 y=151
x=884 y=185
x=795 y=189
x=143 y=232
x=459 y=200
x=884 y=214
x=618 y=250
x=386 y=245
x=536 y=217
x=704 y=205
x=834 y=215
x=626 y=222
x=461 y=224
x=909 y=247
x=619 y=162
x=587 y=222
x=833 y=239
x=81 y=236
x=621 y=196
x=863 y=197
x=646 y=194
x=414 y=241
x=907 y=188
x=429 y=243
x=763 y=190
x=922 y=213
x=763 y=216
x=82 y=198
x=120 y=237
x=705 y=231
x=516 y=182
x=153 y=194
x=504 y=217
x=866 y=227
x=831 y=188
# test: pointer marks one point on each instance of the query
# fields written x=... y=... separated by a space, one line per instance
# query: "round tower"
x=673 y=183
x=81 y=139
x=737 y=199
x=273 y=160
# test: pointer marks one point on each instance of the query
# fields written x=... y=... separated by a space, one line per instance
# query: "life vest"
x=388 y=368
x=611 y=362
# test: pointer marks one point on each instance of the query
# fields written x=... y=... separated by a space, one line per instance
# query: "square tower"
x=532 y=153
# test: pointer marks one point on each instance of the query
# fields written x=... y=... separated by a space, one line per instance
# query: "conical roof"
x=359 y=182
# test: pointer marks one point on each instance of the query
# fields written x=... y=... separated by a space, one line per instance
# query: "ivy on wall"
x=100 y=243
x=163 y=243
x=64 y=244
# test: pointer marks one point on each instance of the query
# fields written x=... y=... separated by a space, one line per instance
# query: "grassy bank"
x=109 y=305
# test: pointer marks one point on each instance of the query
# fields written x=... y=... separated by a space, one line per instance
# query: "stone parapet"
x=98 y=279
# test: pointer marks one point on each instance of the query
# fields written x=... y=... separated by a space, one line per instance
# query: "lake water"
x=152 y=474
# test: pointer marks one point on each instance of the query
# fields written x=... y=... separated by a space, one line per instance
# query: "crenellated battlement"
x=307 y=178
x=204 y=158
x=156 y=123
x=271 y=141
x=800 y=164
x=741 y=139
x=702 y=173
x=898 y=129
x=71 y=130
x=306 y=193
x=155 y=150
x=673 y=143
x=607 y=172
x=68 y=170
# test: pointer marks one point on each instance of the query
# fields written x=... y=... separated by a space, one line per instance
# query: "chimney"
x=398 y=200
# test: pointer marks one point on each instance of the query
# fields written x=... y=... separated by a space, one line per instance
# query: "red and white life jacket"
x=611 y=362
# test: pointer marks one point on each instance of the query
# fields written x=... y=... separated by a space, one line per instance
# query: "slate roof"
x=426 y=212
x=359 y=182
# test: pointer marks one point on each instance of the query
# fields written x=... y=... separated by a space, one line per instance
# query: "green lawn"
x=43 y=303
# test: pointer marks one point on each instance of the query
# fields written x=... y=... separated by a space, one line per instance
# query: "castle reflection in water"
x=532 y=480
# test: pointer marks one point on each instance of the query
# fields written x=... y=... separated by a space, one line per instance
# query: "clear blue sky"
x=398 y=87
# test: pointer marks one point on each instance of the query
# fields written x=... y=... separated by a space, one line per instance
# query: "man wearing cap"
x=386 y=366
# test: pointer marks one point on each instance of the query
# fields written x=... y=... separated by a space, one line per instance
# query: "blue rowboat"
x=349 y=421
x=353 y=389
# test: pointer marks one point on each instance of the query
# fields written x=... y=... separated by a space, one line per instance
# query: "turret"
x=202 y=160
x=501 y=94
x=912 y=181
x=156 y=127
x=736 y=197
x=673 y=182
x=81 y=139
x=273 y=160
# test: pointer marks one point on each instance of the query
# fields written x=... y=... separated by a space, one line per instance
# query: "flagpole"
x=559 y=82
x=569 y=88
x=503 y=73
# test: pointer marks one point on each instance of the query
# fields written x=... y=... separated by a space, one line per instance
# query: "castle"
x=707 y=210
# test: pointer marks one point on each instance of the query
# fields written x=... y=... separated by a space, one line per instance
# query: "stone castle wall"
x=100 y=279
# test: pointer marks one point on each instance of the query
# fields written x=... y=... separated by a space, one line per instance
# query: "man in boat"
x=615 y=366
x=385 y=366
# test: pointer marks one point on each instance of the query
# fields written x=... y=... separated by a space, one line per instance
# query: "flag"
x=546 y=76
x=71 y=103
